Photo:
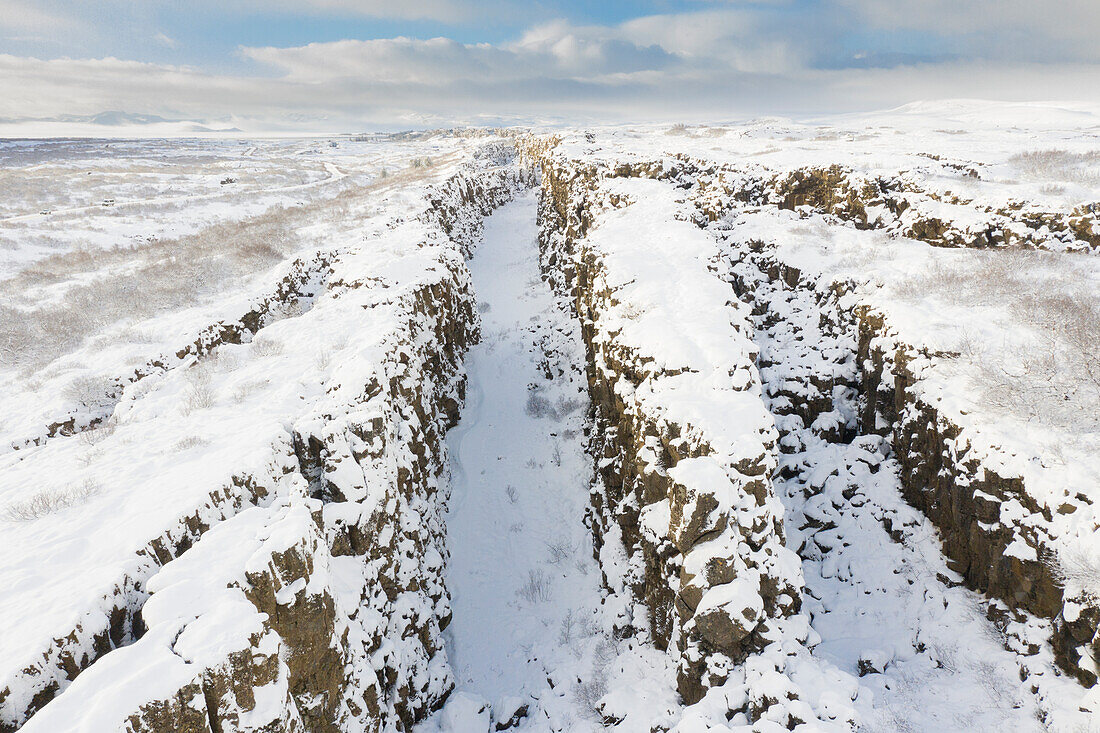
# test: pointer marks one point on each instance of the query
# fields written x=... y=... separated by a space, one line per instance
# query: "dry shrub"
x=122 y=283
x=1055 y=378
x=1060 y=165
x=1076 y=567
x=590 y=691
x=49 y=502
x=192 y=441
x=92 y=392
x=536 y=589
x=200 y=392
x=105 y=286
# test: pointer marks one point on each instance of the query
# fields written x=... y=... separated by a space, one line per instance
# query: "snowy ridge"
x=910 y=205
x=687 y=522
x=858 y=276
x=37 y=422
x=762 y=427
x=533 y=642
x=340 y=409
x=871 y=560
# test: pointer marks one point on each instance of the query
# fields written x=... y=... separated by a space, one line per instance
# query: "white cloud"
x=716 y=63
x=554 y=51
x=434 y=9
x=24 y=16
x=443 y=10
x=1003 y=28
x=1055 y=17
x=165 y=40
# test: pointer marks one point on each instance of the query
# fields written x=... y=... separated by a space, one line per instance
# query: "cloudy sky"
x=359 y=64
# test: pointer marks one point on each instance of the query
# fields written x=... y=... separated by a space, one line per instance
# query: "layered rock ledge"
x=288 y=575
x=687 y=523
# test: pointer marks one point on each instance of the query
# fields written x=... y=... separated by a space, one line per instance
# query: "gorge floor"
x=528 y=629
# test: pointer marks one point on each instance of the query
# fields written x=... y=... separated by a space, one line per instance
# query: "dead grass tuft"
x=49 y=502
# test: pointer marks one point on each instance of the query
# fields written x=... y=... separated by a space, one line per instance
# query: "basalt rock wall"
x=999 y=536
x=683 y=510
x=311 y=596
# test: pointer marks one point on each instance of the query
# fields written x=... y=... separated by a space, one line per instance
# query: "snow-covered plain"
x=218 y=356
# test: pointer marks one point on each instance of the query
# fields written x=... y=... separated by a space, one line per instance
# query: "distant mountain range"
x=118 y=118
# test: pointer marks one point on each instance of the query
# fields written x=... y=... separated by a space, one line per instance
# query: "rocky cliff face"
x=755 y=414
x=310 y=595
x=901 y=204
x=844 y=383
x=685 y=515
x=999 y=536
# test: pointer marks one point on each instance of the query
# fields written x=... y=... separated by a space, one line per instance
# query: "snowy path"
x=878 y=590
x=889 y=608
x=520 y=570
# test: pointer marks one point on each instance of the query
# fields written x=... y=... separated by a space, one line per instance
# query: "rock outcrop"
x=308 y=596
x=660 y=501
x=1002 y=539
x=684 y=513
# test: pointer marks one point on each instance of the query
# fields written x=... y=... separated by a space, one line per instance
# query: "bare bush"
x=1076 y=567
x=1060 y=166
x=1051 y=372
x=243 y=392
x=283 y=309
x=568 y=626
x=97 y=434
x=266 y=346
x=560 y=550
x=575 y=627
x=589 y=692
x=223 y=360
x=538 y=406
x=49 y=502
x=536 y=589
x=200 y=393
x=91 y=392
x=109 y=285
x=192 y=441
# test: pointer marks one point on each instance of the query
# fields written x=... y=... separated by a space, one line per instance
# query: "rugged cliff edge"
x=306 y=592
x=684 y=511
x=843 y=430
x=685 y=508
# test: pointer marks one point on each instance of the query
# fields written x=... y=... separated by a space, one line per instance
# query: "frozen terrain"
x=529 y=633
x=763 y=426
x=519 y=485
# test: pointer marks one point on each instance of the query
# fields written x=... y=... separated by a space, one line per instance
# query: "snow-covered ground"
x=79 y=318
x=529 y=632
x=930 y=227
x=256 y=397
x=520 y=555
x=216 y=355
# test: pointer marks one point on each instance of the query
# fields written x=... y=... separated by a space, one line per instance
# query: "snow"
x=198 y=615
x=525 y=591
x=207 y=435
x=185 y=475
x=852 y=577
